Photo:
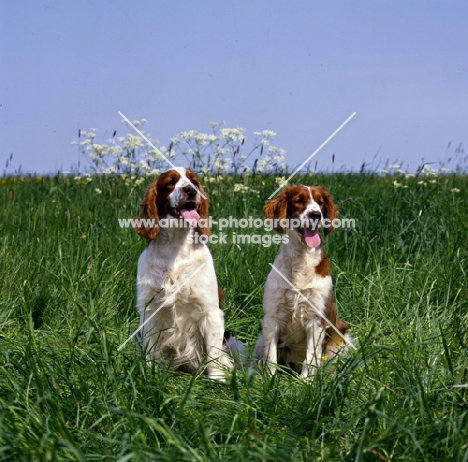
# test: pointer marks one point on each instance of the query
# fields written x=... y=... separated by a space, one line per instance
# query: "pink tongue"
x=190 y=216
x=311 y=238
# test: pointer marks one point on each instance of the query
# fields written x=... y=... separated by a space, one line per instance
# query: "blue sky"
x=299 y=68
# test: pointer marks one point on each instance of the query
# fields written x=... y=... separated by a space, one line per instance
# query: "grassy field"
x=67 y=293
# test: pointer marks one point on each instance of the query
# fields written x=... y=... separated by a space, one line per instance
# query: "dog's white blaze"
x=177 y=195
x=312 y=206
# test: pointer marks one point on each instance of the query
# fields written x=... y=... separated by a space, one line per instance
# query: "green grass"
x=67 y=303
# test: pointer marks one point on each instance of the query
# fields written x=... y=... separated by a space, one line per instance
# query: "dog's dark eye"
x=171 y=182
x=195 y=182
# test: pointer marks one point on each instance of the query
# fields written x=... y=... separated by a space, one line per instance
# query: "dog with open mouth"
x=181 y=323
x=300 y=325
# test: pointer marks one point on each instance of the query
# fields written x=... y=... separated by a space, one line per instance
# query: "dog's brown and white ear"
x=276 y=209
x=148 y=226
x=203 y=212
x=329 y=209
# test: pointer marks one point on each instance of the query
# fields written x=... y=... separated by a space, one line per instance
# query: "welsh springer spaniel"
x=181 y=323
x=300 y=325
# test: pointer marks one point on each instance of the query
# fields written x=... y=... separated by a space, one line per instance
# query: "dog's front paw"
x=220 y=368
x=217 y=374
x=308 y=372
x=271 y=368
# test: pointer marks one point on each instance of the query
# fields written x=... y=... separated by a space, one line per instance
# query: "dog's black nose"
x=190 y=191
x=314 y=215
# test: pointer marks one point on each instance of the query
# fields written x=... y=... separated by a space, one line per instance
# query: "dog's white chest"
x=302 y=305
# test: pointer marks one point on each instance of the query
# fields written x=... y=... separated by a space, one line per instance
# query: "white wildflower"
x=428 y=171
x=232 y=134
x=187 y=135
x=217 y=164
x=268 y=134
x=455 y=190
x=280 y=182
x=264 y=161
x=134 y=141
x=144 y=165
x=275 y=150
x=238 y=187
